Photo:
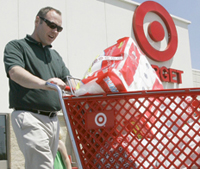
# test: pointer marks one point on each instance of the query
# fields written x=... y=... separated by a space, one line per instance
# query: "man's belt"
x=45 y=113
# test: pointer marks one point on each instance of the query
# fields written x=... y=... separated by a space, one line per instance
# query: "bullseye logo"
x=100 y=119
x=155 y=31
x=97 y=120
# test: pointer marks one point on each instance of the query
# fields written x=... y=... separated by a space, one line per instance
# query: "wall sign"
x=156 y=33
x=155 y=30
x=168 y=74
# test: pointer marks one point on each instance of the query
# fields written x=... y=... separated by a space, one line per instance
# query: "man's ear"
x=37 y=20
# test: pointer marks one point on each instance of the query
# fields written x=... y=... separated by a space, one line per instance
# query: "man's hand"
x=58 y=82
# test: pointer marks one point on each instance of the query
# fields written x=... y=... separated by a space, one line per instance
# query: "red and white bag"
x=121 y=68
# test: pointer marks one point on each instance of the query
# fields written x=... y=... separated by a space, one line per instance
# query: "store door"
x=3 y=141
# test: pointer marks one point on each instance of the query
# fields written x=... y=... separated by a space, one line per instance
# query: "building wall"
x=196 y=77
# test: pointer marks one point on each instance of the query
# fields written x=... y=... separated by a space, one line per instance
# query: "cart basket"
x=142 y=129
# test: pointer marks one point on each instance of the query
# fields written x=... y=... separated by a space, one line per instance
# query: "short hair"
x=45 y=10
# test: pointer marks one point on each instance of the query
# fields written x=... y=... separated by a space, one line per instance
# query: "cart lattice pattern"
x=152 y=129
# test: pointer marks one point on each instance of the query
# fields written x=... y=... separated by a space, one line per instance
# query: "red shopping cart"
x=142 y=129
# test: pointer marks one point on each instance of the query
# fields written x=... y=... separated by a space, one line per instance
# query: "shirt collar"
x=30 y=39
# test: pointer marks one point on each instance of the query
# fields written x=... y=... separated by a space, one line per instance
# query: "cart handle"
x=67 y=88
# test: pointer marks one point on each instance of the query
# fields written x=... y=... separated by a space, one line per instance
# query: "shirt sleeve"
x=13 y=55
x=66 y=73
x=65 y=70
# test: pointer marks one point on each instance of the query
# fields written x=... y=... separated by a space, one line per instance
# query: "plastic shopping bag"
x=121 y=68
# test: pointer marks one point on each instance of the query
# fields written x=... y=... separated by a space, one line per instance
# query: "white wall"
x=90 y=26
x=196 y=77
x=9 y=30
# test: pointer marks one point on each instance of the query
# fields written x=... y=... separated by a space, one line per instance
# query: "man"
x=29 y=64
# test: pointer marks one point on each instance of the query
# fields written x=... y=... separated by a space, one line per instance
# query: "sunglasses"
x=51 y=24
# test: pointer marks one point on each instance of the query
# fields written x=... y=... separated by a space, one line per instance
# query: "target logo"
x=100 y=119
x=156 y=30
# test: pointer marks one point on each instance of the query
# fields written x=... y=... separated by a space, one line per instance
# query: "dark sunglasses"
x=51 y=24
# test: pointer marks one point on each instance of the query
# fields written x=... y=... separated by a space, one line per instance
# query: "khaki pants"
x=37 y=136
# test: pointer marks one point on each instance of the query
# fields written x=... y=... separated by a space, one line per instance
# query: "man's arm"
x=64 y=154
x=28 y=80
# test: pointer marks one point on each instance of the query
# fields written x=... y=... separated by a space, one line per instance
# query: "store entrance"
x=3 y=141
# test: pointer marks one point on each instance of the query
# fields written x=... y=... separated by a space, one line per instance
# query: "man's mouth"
x=52 y=37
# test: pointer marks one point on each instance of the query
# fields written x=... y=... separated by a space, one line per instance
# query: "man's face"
x=45 y=34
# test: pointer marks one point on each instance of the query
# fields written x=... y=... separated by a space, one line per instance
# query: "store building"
x=90 y=27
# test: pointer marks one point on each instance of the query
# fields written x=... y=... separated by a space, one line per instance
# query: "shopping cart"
x=142 y=129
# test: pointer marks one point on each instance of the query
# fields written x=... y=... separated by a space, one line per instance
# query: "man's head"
x=48 y=24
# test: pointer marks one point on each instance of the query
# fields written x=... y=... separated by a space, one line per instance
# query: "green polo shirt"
x=42 y=62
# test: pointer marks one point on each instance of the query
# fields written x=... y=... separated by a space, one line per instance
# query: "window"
x=3 y=138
